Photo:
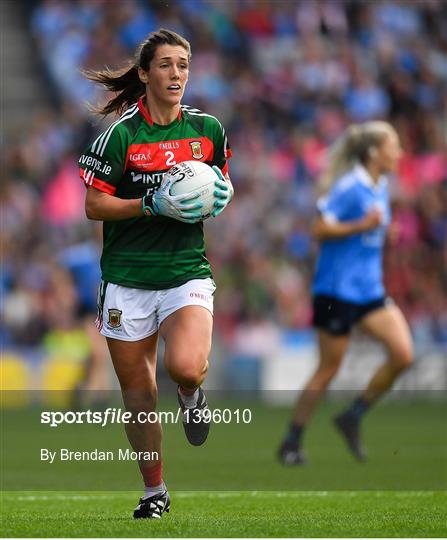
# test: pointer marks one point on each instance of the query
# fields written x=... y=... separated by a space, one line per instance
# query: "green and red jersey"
x=128 y=161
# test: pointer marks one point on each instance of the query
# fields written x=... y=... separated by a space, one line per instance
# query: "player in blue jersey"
x=348 y=286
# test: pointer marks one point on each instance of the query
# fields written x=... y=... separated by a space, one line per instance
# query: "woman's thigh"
x=388 y=325
x=332 y=350
x=187 y=333
x=135 y=362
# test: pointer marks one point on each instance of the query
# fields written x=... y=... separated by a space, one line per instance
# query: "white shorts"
x=133 y=314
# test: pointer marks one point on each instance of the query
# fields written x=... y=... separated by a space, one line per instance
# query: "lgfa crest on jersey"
x=114 y=318
x=196 y=148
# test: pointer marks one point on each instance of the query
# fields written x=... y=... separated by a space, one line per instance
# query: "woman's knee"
x=323 y=376
x=189 y=371
x=401 y=356
x=141 y=399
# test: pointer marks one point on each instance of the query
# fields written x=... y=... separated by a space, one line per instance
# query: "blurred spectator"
x=285 y=78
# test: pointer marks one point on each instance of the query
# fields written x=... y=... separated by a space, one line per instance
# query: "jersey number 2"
x=170 y=159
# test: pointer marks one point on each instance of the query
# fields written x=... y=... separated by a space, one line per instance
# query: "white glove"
x=178 y=207
x=223 y=193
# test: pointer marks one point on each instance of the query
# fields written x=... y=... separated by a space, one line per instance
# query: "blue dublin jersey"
x=350 y=268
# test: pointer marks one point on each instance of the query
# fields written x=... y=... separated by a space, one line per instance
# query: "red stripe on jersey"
x=143 y=110
x=103 y=186
x=89 y=180
x=163 y=155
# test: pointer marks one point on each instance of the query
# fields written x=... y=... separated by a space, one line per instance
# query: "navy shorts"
x=338 y=317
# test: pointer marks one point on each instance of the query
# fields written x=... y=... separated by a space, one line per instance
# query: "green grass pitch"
x=229 y=514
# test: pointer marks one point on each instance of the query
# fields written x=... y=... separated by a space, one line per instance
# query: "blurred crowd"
x=285 y=78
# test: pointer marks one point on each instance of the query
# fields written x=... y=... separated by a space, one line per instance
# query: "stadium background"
x=285 y=78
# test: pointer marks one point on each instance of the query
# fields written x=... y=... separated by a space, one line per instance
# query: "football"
x=197 y=176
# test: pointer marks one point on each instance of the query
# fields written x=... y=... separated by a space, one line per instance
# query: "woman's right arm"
x=101 y=206
x=331 y=230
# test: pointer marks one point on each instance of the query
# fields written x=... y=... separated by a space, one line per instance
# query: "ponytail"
x=126 y=81
x=354 y=146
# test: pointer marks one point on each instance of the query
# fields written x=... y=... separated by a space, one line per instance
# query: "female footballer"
x=156 y=279
x=348 y=288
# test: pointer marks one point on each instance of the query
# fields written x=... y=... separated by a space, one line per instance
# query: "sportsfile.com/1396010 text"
x=114 y=415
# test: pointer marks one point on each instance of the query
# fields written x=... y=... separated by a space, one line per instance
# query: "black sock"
x=358 y=408
x=294 y=434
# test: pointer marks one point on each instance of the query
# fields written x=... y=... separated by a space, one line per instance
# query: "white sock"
x=154 y=490
x=189 y=401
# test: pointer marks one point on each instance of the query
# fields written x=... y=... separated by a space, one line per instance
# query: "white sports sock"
x=189 y=401
x=154 y=490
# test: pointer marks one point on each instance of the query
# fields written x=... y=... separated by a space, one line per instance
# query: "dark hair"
x=125 y=81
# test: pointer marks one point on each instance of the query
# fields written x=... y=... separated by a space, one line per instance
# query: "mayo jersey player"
x=128 y=160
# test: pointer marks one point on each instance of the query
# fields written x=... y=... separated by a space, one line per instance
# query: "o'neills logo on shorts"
x=114 y=318
x=204 y=297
